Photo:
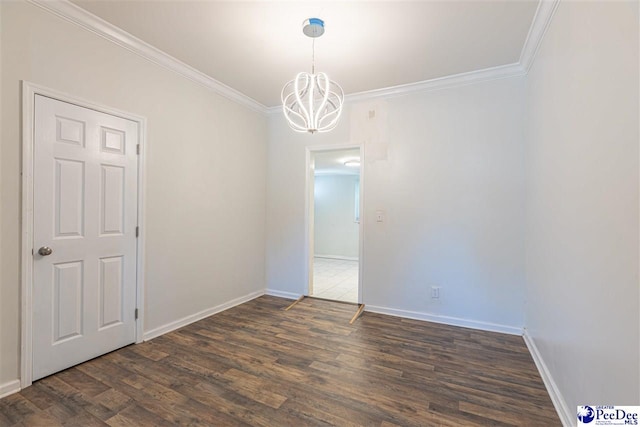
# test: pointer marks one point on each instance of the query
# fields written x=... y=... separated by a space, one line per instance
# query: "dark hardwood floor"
x=259 y=365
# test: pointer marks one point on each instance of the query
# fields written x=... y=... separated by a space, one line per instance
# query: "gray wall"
x=582 y=290
x=206 y=167
x=447 y=168
x=335 y=229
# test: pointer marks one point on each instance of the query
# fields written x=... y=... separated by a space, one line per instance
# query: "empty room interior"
x=291 y=213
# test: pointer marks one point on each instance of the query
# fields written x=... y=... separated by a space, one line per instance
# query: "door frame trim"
x=29 y=91
x=310 y=150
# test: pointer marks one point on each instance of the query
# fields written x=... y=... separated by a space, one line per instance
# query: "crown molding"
x=487 y=74
x=539 y=25
x=76 y=15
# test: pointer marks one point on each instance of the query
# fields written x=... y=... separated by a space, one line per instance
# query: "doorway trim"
x=308 y=225
x=29 y=91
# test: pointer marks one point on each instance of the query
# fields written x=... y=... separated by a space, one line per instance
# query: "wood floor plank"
x=259 y=365
x=251 y=386
x=137 y=416
x=16 y=407
x=81 y=382
x=68 y=402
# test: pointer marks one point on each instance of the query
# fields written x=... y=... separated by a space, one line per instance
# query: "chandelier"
x=311 y=102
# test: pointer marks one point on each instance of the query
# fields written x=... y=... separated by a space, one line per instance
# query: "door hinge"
x=137 y=231
x=136 y=314
x=138 y=149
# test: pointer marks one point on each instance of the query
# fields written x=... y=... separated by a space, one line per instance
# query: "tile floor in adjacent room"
x=335 y=279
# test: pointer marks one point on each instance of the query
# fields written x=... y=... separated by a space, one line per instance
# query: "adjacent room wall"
x=206 y=167
x=335 y=226
x=447 y=169
x=582 y=309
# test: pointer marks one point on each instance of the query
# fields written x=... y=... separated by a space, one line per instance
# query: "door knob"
x=45 y=250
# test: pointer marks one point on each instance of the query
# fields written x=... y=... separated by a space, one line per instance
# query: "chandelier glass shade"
x=311 y=102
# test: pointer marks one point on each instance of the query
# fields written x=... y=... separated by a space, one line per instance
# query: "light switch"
x=379 y=216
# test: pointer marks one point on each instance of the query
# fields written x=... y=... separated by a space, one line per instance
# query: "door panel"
x=111 y=291
x=67 y=301
x=112 y=194
x=69 y=202
x=85 y=210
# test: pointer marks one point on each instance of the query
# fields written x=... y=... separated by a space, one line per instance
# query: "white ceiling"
x=332 y=162
x=255 y=47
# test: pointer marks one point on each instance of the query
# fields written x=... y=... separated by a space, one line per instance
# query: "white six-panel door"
x=85 y=213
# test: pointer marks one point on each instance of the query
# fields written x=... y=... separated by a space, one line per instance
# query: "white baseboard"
x=346 y=258
x=199 y=316
x=453 y=321
x=281 y=294
x=9 y=388
x=567 y=417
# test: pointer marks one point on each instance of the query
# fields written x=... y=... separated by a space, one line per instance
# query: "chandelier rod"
x=313 y=55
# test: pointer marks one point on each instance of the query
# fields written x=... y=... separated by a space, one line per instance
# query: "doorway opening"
x=334 y=224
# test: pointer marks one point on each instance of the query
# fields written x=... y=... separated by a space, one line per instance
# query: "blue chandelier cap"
x=313 y=27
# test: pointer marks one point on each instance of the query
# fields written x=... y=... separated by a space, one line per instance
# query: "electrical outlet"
x=435 y=292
